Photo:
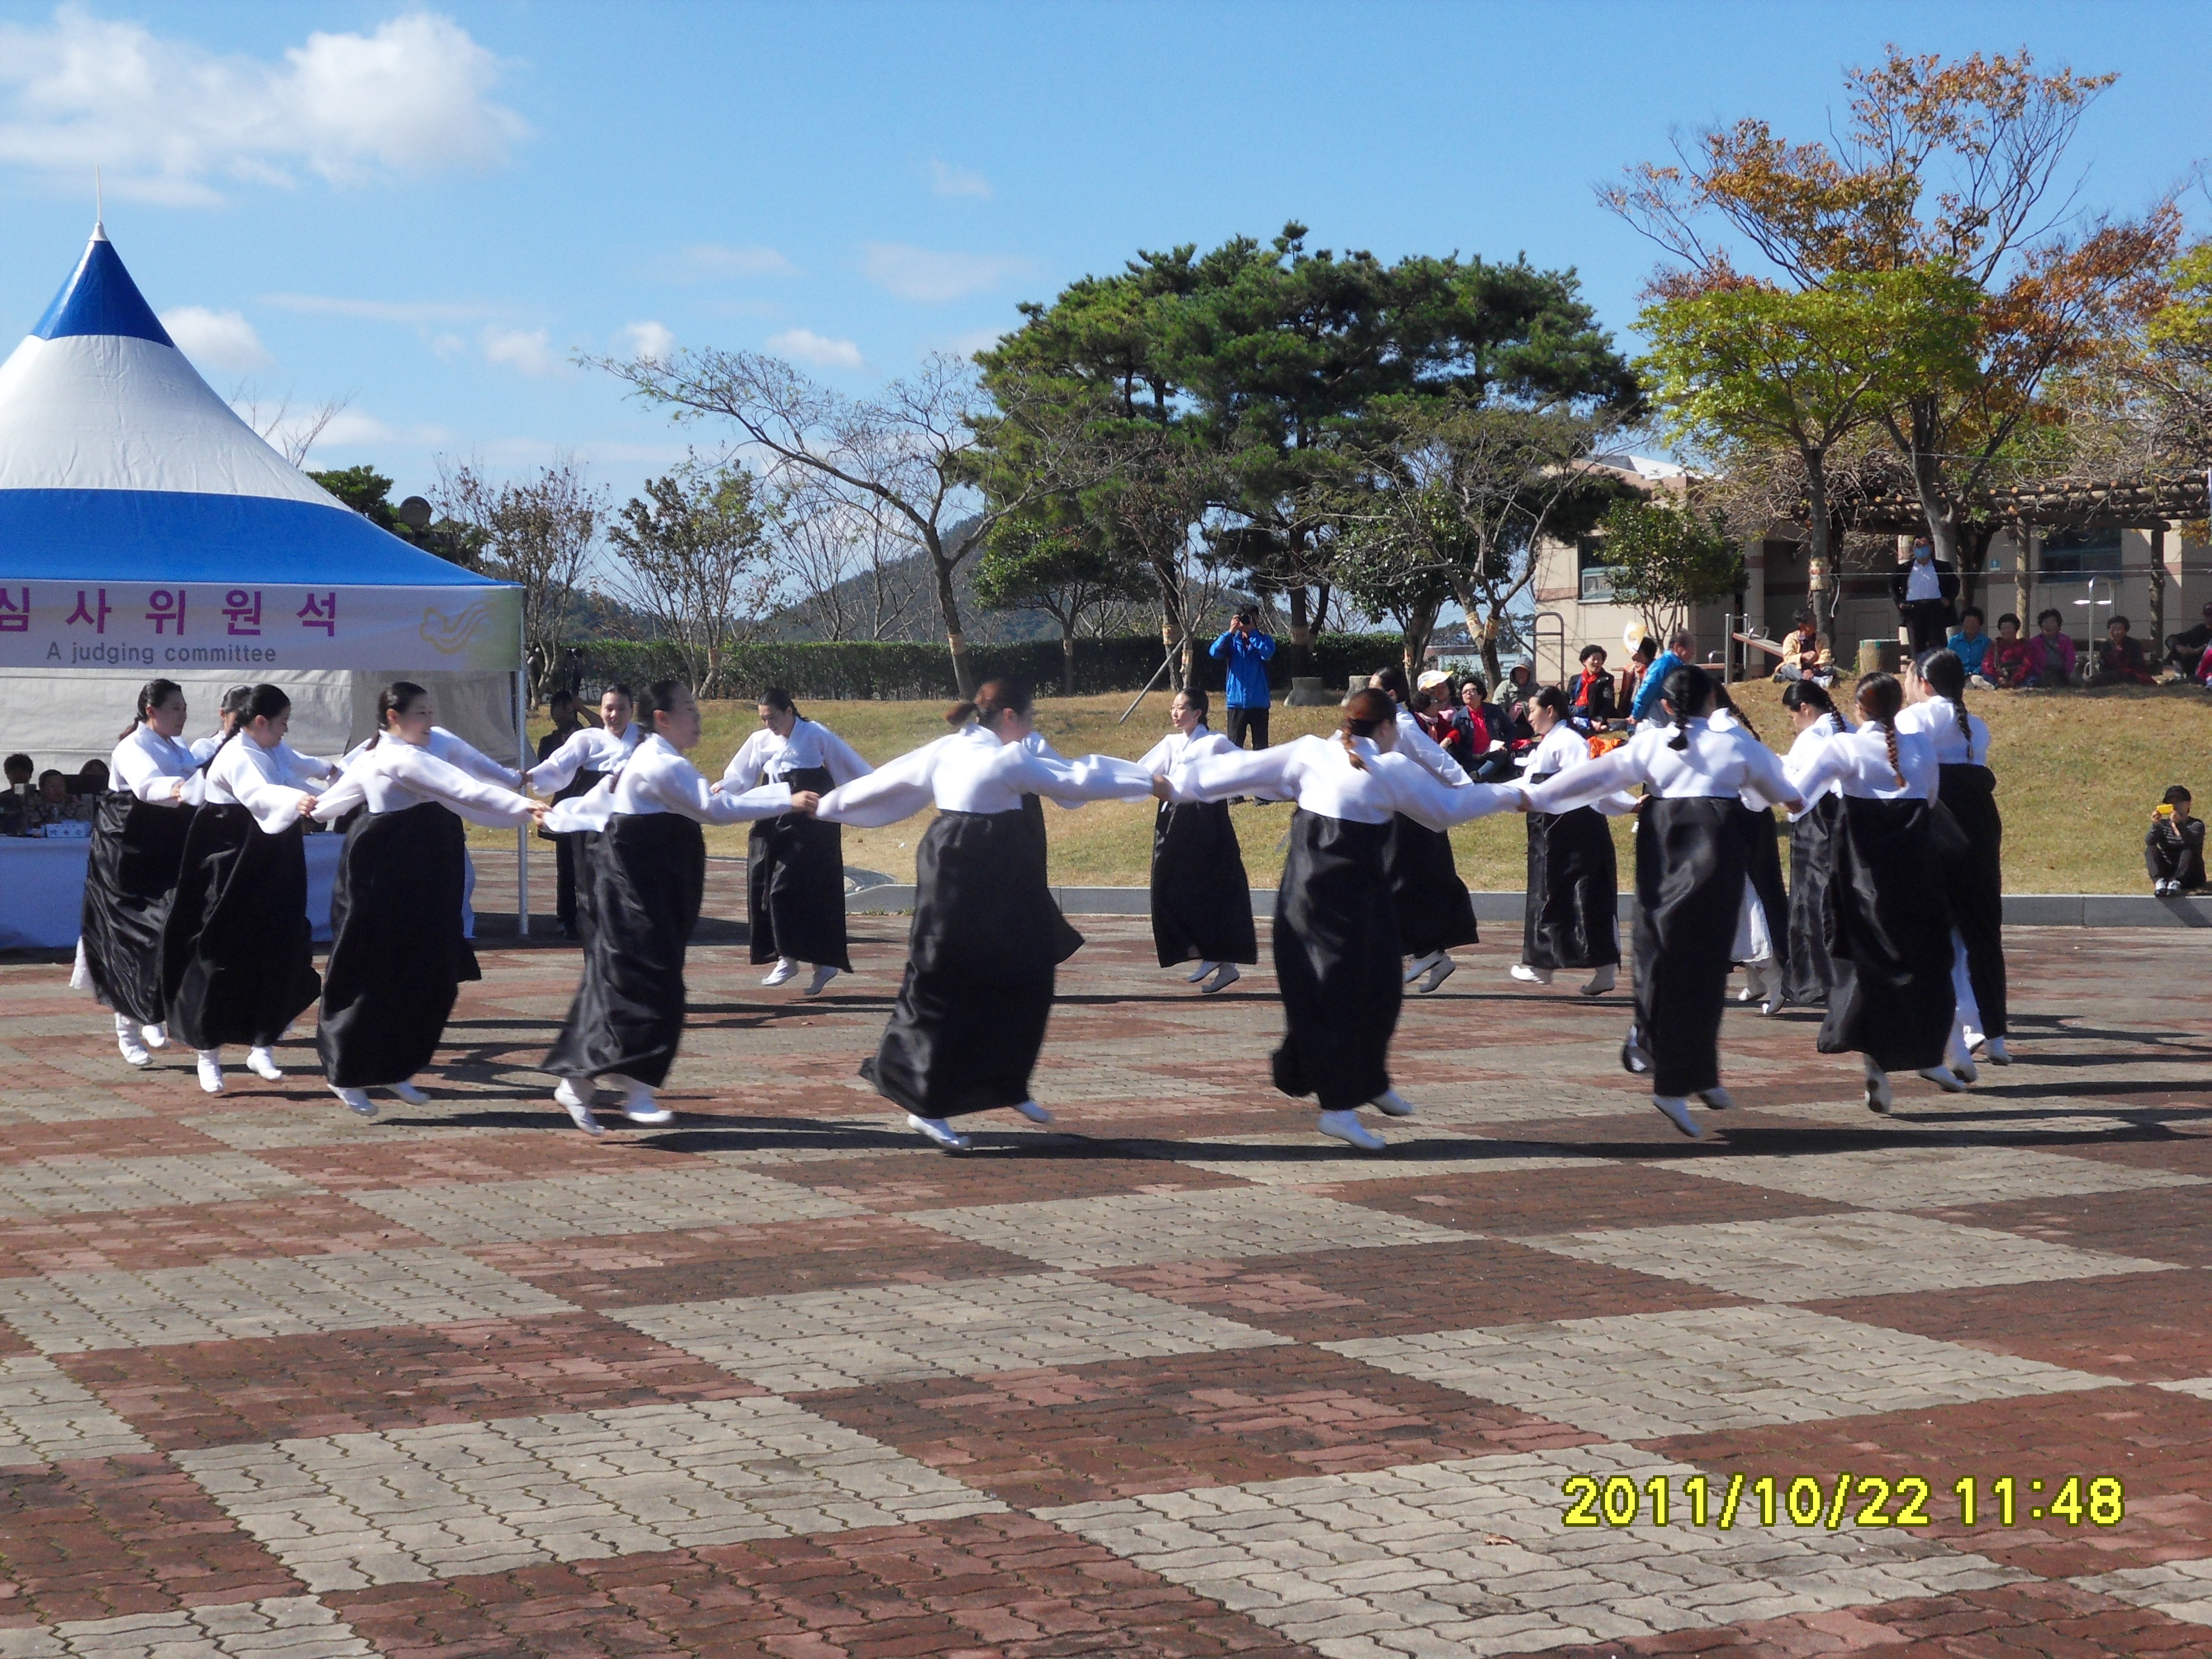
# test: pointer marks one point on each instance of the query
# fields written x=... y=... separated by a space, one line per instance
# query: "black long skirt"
x=1573 y=905
x=1690 y=859
x=1434 y=910
x=397 y=958
x=138 y=851
x=971 y=1018
x=1202 y=898
x=795 y=883
x=1889 y=937
x=648 y=878
x=1763 y=868
x=237 y=951
x=1972 y=847
x=1809 y=974
x=1336 y=949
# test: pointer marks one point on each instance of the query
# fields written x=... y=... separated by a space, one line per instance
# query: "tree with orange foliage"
x=1952 y=167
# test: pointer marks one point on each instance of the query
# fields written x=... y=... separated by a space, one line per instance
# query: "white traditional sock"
x=1879 y=1096
x=937 y=1129
x=263 y=1064
x=1677 y=1111
x=1993 y=1050
x=1032 y=1111
x=576 y=1101
x=155 y=1036
x=1391 y=1103
x=638 y=1104
x=356 y=1100
x=1346 y=1127
x=1223 y=977
x=134 y=1052
x=824 y=973
x=210 y=1065
x=1441 y=968
x=1202 y=970
x=1943 y=1077
x=1717 y=1098
x=411 y=1094
x=784 y=970
x=1528 y=975
x=123 y=1027
x=1601 y=980
x=1420 y=965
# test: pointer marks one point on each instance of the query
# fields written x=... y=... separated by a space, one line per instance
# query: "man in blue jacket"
x=1681 y=648
x=1246 y=650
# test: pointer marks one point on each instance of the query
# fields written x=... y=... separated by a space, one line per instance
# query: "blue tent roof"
x=99 y=298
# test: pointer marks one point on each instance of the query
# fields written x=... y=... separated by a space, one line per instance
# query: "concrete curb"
x=2020 y=909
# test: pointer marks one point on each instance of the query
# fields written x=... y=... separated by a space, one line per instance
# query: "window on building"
x=1595 y=573
x=2075 y=556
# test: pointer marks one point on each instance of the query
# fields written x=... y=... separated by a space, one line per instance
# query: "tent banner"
x=257 y=626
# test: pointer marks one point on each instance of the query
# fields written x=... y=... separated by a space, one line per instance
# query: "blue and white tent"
x=146 y=530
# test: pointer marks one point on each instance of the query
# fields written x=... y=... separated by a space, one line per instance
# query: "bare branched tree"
x=292 y=436
x=846 y=573
x=696 y=558
x=538 y=533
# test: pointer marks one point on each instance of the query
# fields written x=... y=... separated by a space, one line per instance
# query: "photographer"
x=1246 y=651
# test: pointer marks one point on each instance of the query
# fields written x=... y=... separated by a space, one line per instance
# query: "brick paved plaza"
x=1175 y=1378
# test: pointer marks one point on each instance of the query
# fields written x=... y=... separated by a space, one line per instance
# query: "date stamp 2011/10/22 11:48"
x=1837 y=1501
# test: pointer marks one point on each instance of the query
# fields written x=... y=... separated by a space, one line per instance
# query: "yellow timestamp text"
x=1834 y=1501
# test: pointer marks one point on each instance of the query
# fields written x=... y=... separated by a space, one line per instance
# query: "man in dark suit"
x=1926 y=589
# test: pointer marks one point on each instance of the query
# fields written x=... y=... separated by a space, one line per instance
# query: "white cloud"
x=975 y=340
x=169 y=120
x=928 y=276
x=531 y=351
x=448 y=345
x=808 y=347
x=379 y=311
x=646 y=342
x=708 y=261
x=353 y=429
x=948 y=180
x=217 y=339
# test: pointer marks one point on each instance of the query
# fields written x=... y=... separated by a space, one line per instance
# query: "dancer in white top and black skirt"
x=1572 y=913
x=579 y=765
x=397 y=955
x=1970 y=836
x=795 y=862
x=228 y=712
x=1335 y=933
x=237 y=951
x=987 y=938
x=1201 y=898
x=648 y=877
x=1762 y=925
x=1690 y=864
x=1813 y=716
x=138 y=849
x=1889 y=924
x=1435 y=910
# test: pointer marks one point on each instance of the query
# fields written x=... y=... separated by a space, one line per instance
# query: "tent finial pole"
x=99 y=207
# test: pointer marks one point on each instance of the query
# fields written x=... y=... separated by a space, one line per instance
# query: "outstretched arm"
x=1585 y=783
x=897 y=789
x=1238 y=772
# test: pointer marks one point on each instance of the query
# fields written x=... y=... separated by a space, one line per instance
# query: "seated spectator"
x=91 y=779
x=1590 y=695
x=17 y=796
x=55 y=804
x=1466 y=736
x=2186 y=649
x=1971 y=645
x=1520 y=692
x=19 y=769
x=2049 y=659
x=1632 y=678
x=1801 y=655
x=2119 y=658
x=2006 y=664
x=2173 y=848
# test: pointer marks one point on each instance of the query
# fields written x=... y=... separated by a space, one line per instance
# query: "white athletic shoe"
x=1528 y=975
x=639 y=1105
x=1223 y=977
x=1993 y=1050
x=1420 y=965
x=1391 y=1103
x=784 y=971
x=1441 y=970
x=1601 y=980
x=1720 y=1100
x=263 y=1064
x=574 y=1096
x=1677 y=1111
x=154 y=1037
x=1943 y=1078
x=824 y=973
x=1200 y=972
x=937 y=1129
x=356 y=1100
x=1346 y=1127
x=1032 y=1111
x=210 y=1063
x=411 y=1094
x=1879 y=1097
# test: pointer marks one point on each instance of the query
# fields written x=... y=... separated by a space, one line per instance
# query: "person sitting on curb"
x=2173 y=847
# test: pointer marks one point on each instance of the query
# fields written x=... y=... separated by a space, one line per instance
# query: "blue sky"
x=430 y=210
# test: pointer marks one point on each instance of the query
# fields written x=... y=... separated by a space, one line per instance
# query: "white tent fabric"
x=146 y=531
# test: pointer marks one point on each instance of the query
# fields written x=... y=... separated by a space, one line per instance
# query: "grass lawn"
x=2078 y=772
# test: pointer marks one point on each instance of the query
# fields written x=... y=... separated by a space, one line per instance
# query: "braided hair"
x=1880 y=698
x=1365 y=713
x=992 y=700
x=396 y=698
x=1944 y=674
x=151 y=696
x=1689 y=691
x=1810 y=694
x=1721 y=700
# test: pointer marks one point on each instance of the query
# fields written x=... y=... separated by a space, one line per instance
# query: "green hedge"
x=895 y=670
